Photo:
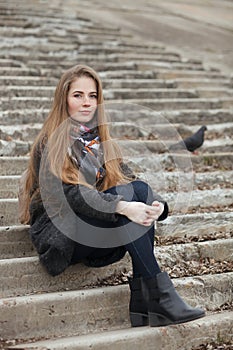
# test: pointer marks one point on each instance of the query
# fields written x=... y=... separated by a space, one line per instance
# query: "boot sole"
x=139 y=320
x=158 y=320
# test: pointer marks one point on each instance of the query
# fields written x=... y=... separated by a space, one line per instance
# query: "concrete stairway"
x=153 y=96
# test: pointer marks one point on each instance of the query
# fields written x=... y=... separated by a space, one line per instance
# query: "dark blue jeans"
x=141 y=250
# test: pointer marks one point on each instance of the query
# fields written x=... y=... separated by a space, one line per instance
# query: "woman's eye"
x=93 y=96
x=77 y=95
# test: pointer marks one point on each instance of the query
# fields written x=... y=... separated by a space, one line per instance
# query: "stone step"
x=129 y=93
x=162 y=74
x=46 y=69
x=196 y=225
x=146 y=170
x=163 y=131
x=28 y=276
x=143 y=116
x=107 y=83
x=112 y=48
x=145 y=338
x=107 y=48
x=111 y=93
x=167 y=162
x=116 y=56
x=9 y=186
x=39 y=44
x=181 y=83
x=27 y=91
x=25 y=116
x=156 y=104
x=166 y=104
x=53 y=16
x=15 y=241
x=142 y=64
x=179 y=202
x=192 y=66
x=122 y=130
x=13 y=165
x=53 y=314
x=14 y=148
x=128 y=147
x=124 y=93
x=22 y=13
x=202 y=162
x=23 y=71
x=23 y=132
x=214 y=92
x=9 y=62
x=148 y=147
x=11 y=31
x=128 y=69
x=132 y=44
x=138 y=115
x=30 y=81
x=167 y=181
x=165 y=56
x=116 y=93
x=25 y=275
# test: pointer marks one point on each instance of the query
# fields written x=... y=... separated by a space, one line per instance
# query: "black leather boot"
x=165 y=306
x=137 y=305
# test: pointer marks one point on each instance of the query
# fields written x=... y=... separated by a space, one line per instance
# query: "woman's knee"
x=136 y=190
x=143 y=191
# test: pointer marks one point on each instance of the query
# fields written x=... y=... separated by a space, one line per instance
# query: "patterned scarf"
x=86 y=151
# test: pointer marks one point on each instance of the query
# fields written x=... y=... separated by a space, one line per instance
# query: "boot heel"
x=138 y=320
x=158 y=320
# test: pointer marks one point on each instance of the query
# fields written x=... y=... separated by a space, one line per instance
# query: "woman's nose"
x=86 y=100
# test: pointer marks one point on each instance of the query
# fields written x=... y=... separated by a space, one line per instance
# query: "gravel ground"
x=215 y=346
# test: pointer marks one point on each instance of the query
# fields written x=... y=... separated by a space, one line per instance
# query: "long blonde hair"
x=58 y=146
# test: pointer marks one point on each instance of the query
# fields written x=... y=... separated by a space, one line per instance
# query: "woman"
x=76 y=167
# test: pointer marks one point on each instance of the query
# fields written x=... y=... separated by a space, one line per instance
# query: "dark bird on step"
x=192 y=142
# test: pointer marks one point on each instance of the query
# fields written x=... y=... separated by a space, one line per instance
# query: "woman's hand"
x=139 y=212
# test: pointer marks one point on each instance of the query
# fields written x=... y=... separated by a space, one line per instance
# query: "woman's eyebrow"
x=82 y=92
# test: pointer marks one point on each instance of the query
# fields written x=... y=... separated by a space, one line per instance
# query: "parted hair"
x=55 y=136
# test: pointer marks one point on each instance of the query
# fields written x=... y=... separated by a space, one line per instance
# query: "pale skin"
x=82 y=104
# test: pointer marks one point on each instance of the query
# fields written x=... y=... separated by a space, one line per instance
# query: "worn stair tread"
x=179 y=202
x=119 y=82
x=25 y=275
x=170 y=196
x=160 y=181
x=164 y=74
x=128 y=147
x=15 y=165
x=193 y=116
x=111 y=91
x=122 y=130
x=15 y=241
x=125 y=93
x=108 y=307
x=167 y=338
x=175 y=225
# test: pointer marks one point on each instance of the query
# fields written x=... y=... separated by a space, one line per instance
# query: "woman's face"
x=82 y=99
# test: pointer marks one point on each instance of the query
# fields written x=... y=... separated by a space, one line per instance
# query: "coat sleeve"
x=165 y=212
x=92 y=203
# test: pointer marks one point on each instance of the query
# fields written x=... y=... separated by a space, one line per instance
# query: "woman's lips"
x=85 y=112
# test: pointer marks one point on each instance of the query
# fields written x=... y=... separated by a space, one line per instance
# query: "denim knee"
x=143 y=192
x=137 y=190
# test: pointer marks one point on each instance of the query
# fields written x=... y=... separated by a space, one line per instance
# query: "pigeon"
x=192 y=142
